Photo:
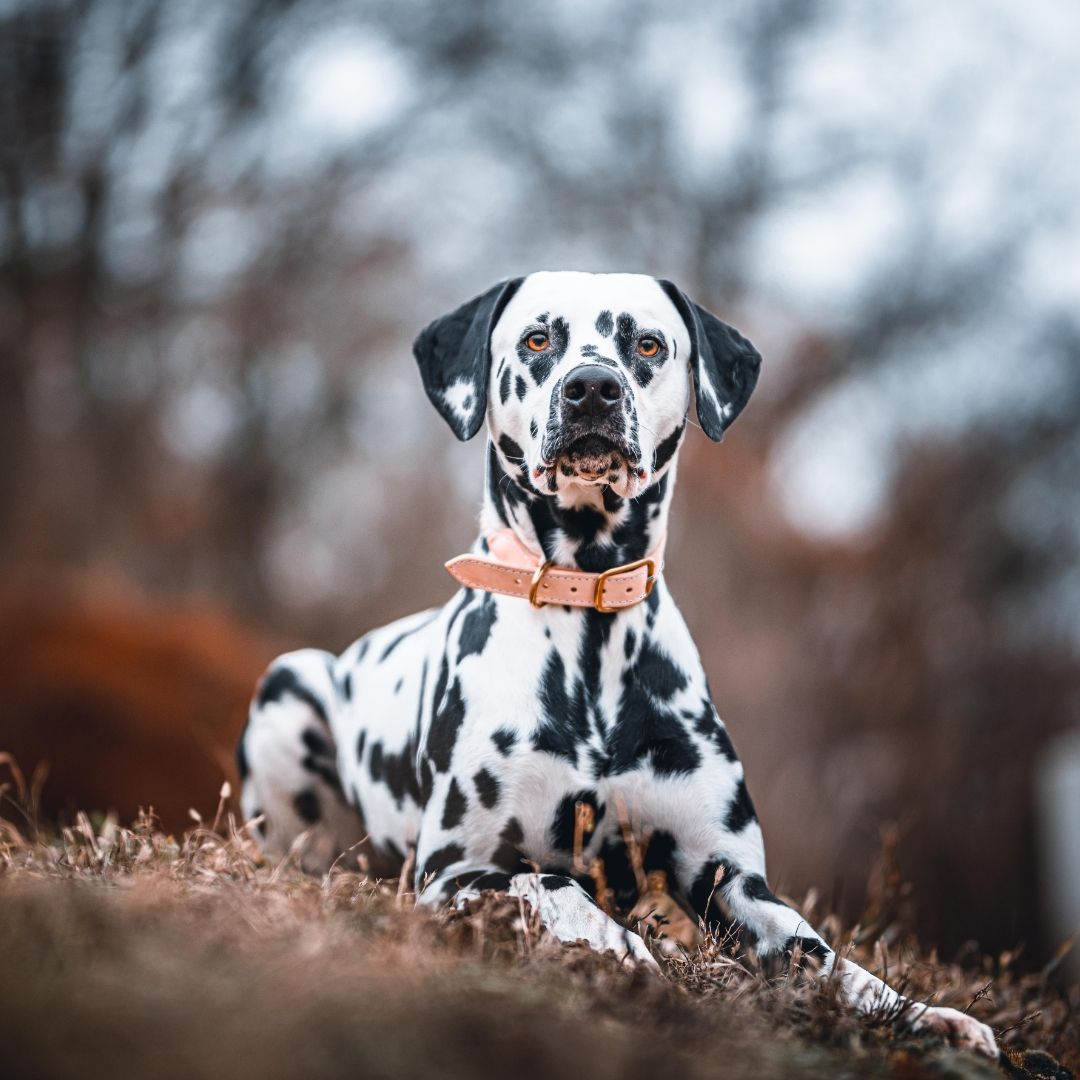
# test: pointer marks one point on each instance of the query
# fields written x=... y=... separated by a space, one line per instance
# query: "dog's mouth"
x=592 y=457
x=603 y=458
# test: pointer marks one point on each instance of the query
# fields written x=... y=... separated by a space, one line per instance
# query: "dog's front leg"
x=563 y=907
x=726 y=897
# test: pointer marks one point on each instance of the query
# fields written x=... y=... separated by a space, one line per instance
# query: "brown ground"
x=128 y=953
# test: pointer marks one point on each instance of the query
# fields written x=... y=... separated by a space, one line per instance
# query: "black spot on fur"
x=460 y=881
x=439 y=860
x=360 y=740
x=306 y=804
x=424 y=779
x=346 y=687
x=565 y=721
x=741 y=811
x=520 y=388
x=705 y=886
x=514 y=454
x=711 y=727
x=673 y=753
x=399 y=684
x=492 y=880
x=554 y=882
x=504 y=386
x=375 y=765
x=604 y=323
x=427 y=781
x=397 y=771
x=284 y=682
x=476 y=628
x=658 y=674
x=504 y=740
x=562 y=824
x=533 y=429
x=444 y=728
x=316 y=742
x=508 y=855
x=647 y=727
x=320 y=757
x=612 y=501
x=592 y=352
x=812 y=947
x=487 y=787
x=754 y=888
x=455 y=807
x=666 y=450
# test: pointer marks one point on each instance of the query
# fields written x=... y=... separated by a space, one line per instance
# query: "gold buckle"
x=598 y=596
x=537 y=577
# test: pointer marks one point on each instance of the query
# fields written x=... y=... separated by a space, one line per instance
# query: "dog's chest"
x=577 y=712
x=596 y=694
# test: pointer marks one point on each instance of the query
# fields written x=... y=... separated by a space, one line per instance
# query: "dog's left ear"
x=454 y=354
x=724 y=363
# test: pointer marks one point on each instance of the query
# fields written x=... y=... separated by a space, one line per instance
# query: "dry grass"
x=127 y=952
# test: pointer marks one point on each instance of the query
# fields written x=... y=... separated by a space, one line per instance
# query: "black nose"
x=592 y=390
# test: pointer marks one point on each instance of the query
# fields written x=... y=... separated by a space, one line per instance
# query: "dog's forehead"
x=580 y=297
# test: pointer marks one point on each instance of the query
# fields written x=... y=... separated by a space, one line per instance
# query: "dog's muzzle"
x=590 y=441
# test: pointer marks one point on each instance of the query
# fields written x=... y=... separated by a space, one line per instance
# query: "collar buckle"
x=626 y=568
x=534 y=585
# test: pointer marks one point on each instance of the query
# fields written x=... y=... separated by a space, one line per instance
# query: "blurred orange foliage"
x=126 y=704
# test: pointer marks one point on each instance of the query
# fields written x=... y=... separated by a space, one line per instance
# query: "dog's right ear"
x=454 y=354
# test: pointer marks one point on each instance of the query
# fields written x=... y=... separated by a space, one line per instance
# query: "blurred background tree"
x=221 y=225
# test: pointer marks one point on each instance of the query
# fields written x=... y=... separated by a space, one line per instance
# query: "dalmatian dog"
x=556 y=707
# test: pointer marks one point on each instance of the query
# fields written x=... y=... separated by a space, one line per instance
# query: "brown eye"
x=648 y=346
x=537 y=342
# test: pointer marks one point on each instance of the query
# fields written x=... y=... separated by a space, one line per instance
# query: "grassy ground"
x=127 y=953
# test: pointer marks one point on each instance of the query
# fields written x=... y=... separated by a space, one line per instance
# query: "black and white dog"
x=512 y=735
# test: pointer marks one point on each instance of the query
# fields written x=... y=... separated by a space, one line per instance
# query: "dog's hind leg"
x=287 y=760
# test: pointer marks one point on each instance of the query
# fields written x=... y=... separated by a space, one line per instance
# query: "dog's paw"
x=568 y=912
x=961 y=1030
x=637 y=952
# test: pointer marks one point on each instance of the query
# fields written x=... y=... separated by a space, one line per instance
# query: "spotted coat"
x=512 y=747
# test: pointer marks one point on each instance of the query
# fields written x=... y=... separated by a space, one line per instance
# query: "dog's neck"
x=595 y=531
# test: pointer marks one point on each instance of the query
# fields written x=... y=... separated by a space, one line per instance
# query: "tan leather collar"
x=513 y=570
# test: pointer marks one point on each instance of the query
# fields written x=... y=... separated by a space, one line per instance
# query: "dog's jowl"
x=557 y=703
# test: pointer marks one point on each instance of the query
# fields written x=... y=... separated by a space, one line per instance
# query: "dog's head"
x=585 y=378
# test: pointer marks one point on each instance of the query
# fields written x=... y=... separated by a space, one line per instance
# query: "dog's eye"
x=537 y=342
x=648 y=346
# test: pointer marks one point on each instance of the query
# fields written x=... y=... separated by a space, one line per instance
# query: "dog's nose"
x=592 y=390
